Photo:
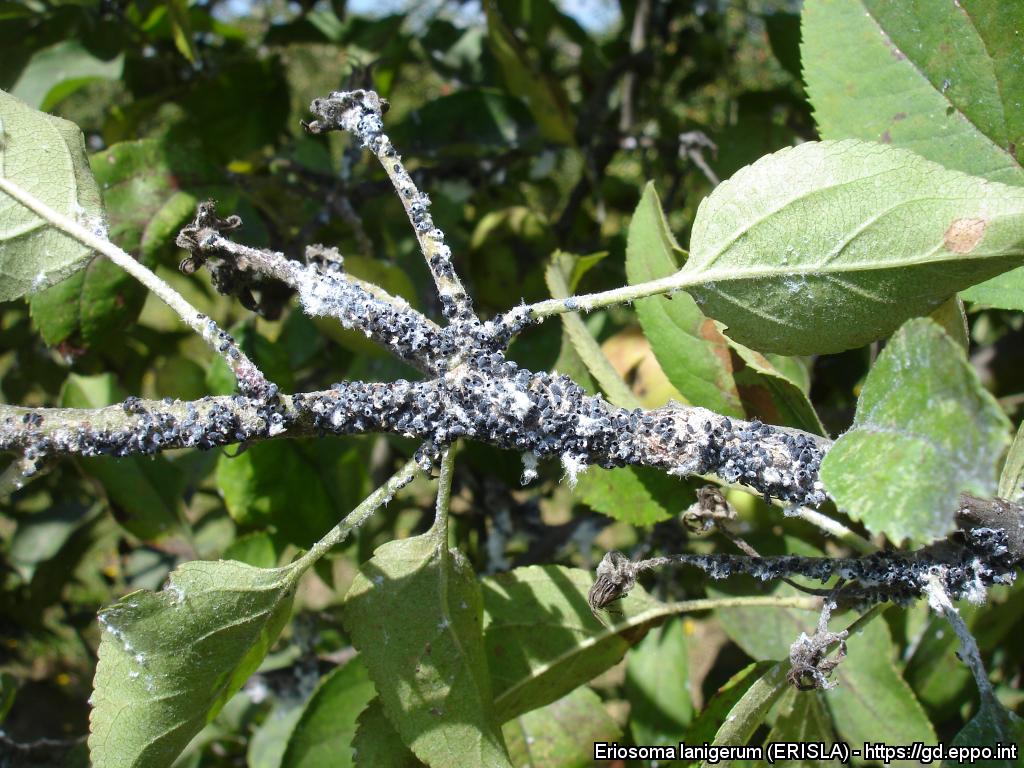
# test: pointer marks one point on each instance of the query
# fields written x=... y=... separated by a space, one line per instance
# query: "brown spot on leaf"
x=886 y=138
x=719 y=346
x=964 y=235
x=899 y=116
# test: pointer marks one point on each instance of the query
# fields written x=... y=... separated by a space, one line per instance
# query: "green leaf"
x=414 y=612
x=1005 y=291
x=471 y=121
x=144 y=492
x=658 y=685
x=942 y=80
x=1011 y=479
x=635 y=495
x=751 y=709
x=269 y=741
x=86 y=307
x=993 y=725
x=690 y=348
x=169 y=660
x=45 y=156
x=802 y=718
x=938 y=678
x=557 y=275
x=41 y=535
x=140 y=182
x=829 y=245
x=377 y=744
x=181 y=28
x=260 y=486
x=562 y=734
x=870 y=696
x=952 y=318
x=543 y=94
x=784 y=37
x=322 y=738
x=770 y=394
x=543 y=641
x=256 y=549
x=765 y=633
x=8 y=690
x=715 y=715
x=56 y=72
x=925 y=430
x=871 y=701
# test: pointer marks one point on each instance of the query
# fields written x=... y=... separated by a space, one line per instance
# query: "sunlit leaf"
x=692 y=351
x=543 y=641
x=802 y=717
x=829 y=245
x=925 y=431
x=169 y=660
x=872 y=702
x=658 y=685
x=942 y=80
x=993 y=725
x=558 y=276
x=561 y=734
x=322 y=737
x=377 y=743
x=1011 y=480
x=45 y=156
x=715 y=714
x=636 y=495
x=414 y=612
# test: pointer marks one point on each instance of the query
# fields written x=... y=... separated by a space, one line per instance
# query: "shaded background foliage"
x=533 y=126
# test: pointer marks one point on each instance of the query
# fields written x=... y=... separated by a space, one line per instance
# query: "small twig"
x=637 y=42
x=379 y=498
x=691 y=146
x=592 y=301
x=361 y=114
x=251 y=380
x=444 y=498
x=810 y=667
x=752 y=601
x=833 y=527
x=970 y=654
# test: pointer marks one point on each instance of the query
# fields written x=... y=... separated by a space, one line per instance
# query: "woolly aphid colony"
x=473 y=391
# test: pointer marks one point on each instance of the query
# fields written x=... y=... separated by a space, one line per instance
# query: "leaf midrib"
x=590 y=642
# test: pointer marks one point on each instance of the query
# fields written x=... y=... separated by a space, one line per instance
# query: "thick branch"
x=485 y=398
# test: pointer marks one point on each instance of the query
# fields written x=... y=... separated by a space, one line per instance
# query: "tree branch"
x=361 y=114
x=386 y=319
x=485 y=398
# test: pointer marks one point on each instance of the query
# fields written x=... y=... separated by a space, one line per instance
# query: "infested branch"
x=473 y=391
x=485 y=398
x=979 y=555
x=323 y=291
x=361 y=114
